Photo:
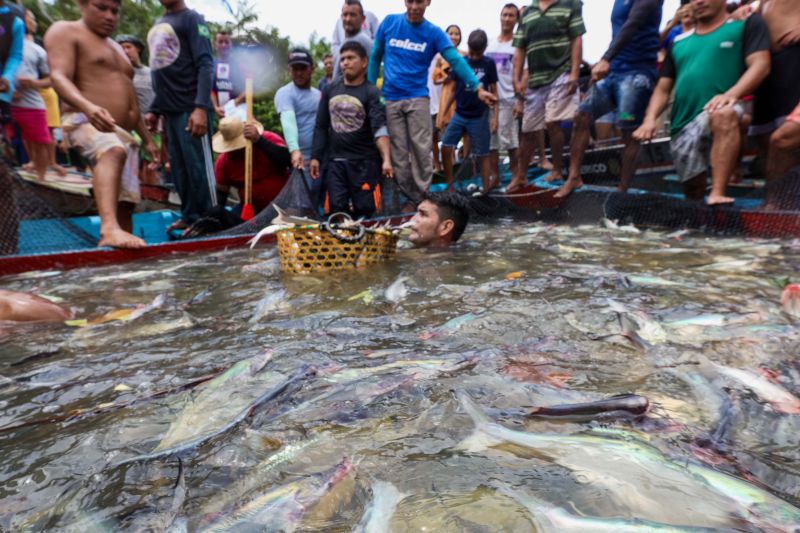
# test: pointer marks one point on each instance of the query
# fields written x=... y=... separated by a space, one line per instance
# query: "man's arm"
x=200 y=49
x=462 y=70
x=385 y=149
x=377 y=121
x=62 y=51
x=278 y=154
x=375 y=59
x=519 y=80
x=658 y=102
x=640 y=12
x=14 y=59
x=321 y=132
x=576 y=49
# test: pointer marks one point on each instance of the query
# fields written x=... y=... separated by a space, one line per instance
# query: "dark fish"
x=623 y=404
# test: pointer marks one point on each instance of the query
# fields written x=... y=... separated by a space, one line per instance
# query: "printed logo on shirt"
x=408 y=45
x=202 y=31
x=223 y=71
x=347 y=113
x=726 y=44
x=164 y=45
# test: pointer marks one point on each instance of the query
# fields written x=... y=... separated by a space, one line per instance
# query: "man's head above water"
x=440 y=219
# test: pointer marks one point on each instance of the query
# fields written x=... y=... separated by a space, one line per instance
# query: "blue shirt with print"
x=408 y=52
x=468 y=105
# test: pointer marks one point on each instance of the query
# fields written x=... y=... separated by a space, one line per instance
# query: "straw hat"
x=230 y=136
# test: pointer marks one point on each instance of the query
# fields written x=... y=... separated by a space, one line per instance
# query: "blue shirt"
x=468 y=105
x=304 y=103
x=641 y=52
x=408 y=52
x=14 y=54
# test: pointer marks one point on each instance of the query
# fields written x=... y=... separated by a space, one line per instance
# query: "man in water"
x=440 y=220
x=707 y=112
x=623 y=82
x=23 y=307
x=94 y=80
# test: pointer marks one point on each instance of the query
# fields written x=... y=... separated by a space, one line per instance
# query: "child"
x=351 y=124
x=472 y=116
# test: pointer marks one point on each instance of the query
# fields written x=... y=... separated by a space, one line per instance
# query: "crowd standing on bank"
x=396 y=91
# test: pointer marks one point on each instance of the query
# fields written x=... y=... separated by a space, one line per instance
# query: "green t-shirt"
x=704 y=66
x=546 y=37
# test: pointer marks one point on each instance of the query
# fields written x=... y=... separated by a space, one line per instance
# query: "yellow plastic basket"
x=305 y=250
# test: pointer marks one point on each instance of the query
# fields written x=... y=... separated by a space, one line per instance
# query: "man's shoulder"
x=285 y=90
x=67 y=29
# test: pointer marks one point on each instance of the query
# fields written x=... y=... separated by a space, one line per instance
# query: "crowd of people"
x=394 y=90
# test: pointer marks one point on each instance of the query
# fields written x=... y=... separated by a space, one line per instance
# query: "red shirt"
x=268 y=180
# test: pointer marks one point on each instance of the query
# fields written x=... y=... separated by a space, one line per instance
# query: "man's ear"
x=446 y=226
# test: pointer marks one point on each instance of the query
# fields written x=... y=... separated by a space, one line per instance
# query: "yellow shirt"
x=51 y=103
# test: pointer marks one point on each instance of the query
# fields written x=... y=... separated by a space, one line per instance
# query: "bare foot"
x=545 y=164
x=177 y=225
x=61 y=171
x=27 y=167
x=714 y=199
x=553 y=176
x=568 y=187
x=120 y=238
x=516 y=185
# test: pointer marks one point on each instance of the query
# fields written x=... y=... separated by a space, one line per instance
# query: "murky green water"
x=537 y=306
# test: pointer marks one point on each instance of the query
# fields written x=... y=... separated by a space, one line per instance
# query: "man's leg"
x=420 y=135
x=695 y=188
x=448 y=156
x=40 y=156
x=580 y=142
x=559 y=107
x=556 y=150
x=630 y=154
x=180 y=179
x=106 y=185
x=401 y=155
x=541 y=149
x=532 y=122
x=364 y=177
x=784 y=154
x=437 y=161
x=194 y=156
x=338 y=192
x=724 y=152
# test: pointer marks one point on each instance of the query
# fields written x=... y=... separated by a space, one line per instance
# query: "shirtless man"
x=94 y=79
x=23 y=307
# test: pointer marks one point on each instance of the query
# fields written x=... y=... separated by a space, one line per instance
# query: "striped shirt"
x=546 y=36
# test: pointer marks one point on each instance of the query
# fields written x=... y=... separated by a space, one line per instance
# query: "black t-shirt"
x=348 y=120
x=468 y=104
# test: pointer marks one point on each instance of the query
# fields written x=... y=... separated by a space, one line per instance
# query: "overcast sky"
x=300 y=18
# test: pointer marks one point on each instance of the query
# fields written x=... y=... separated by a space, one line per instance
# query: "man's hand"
x=387 y=169
x=487 y=98
x=297 y=159
x=25 y=83
x=151 y=121
x=313 y=169
x=600 y=70
x=198 y=122
x=519 y=109
x=101 y=119
x=154 y=153
x=572 y=85
x=3 y=85
x=719 y=102
x=646 y=131
x=251 y=132
x=219 y=111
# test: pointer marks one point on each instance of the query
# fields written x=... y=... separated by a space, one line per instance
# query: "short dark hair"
x=511 y=6
x=355 y=3
x=451 y=206
x=223 y=31
x=327 y=55
x=353 y=46
x=456 y=26
x=478 y=41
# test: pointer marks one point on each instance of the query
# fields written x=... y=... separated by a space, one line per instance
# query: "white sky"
x=300 y=18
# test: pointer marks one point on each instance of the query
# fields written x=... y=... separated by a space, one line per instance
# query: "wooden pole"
x=247 y=208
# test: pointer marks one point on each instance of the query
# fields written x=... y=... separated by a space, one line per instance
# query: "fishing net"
x=333 y=246
x=29 y=224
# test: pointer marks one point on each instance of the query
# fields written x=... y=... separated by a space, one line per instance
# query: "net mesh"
x=30 y=225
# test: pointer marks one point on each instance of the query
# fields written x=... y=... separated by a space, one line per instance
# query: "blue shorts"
x=628 y=94
x=477 y=128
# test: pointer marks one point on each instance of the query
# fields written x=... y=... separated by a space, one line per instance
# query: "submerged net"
x=30 y=225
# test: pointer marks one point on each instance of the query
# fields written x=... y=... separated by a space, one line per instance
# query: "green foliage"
x=137 y=17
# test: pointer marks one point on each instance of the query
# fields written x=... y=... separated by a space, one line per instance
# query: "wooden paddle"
x=247 y=208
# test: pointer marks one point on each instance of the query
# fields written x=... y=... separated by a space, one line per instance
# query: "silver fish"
x=397 y=291
x=378 y=515
x=271 y=302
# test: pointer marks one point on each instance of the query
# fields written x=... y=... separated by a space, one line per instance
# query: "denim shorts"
x=626 y=93
x=477 y=128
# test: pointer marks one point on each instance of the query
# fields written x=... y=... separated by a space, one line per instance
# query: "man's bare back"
x=783 y=19
x=101 y=71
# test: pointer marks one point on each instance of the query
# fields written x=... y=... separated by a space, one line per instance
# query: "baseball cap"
x=300 y=56
x=131 y=39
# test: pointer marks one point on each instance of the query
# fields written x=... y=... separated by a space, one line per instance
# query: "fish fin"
x=480 y=439
x=258 y=237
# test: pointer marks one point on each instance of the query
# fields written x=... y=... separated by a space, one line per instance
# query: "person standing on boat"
x=406 y=44
x=624 y=80
x=351 y=134
x=353 y=19
x=297 y=103
x=227 y=78
x=142 y=79
x=182 y=64
x=94 y=80
x=707 y=112
x=327 y=65
x=551 y=37
x=12 y=42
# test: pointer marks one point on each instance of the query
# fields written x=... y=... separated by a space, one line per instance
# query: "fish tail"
x=480 y=438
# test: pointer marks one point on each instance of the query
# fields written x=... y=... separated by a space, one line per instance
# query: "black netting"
x=30 y=225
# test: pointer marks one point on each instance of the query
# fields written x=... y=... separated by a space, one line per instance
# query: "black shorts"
x=779 y=94
x=353 y=181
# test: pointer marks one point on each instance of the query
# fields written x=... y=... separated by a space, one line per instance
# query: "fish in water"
x=549 y=518
x=379 y=512
x=222 y=403
x=778 y=397
x=283 y=508
x=614 y=224
x=623 y=404
x=271 y=302
x=397 y=291
x=626 y=467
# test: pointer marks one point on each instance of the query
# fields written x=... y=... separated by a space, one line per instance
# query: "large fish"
x=638 y=476
x=283 y=508
x=222 y=403
x=549 y=518
x=378 y=515
x=778 y=397
x=622 y=405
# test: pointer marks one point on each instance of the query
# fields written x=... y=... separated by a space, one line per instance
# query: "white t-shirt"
x=503 y=55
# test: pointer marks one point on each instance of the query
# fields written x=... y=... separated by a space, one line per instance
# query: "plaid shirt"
x=546 y=37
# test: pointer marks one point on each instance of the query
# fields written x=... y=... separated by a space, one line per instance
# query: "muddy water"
x=540 y=310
